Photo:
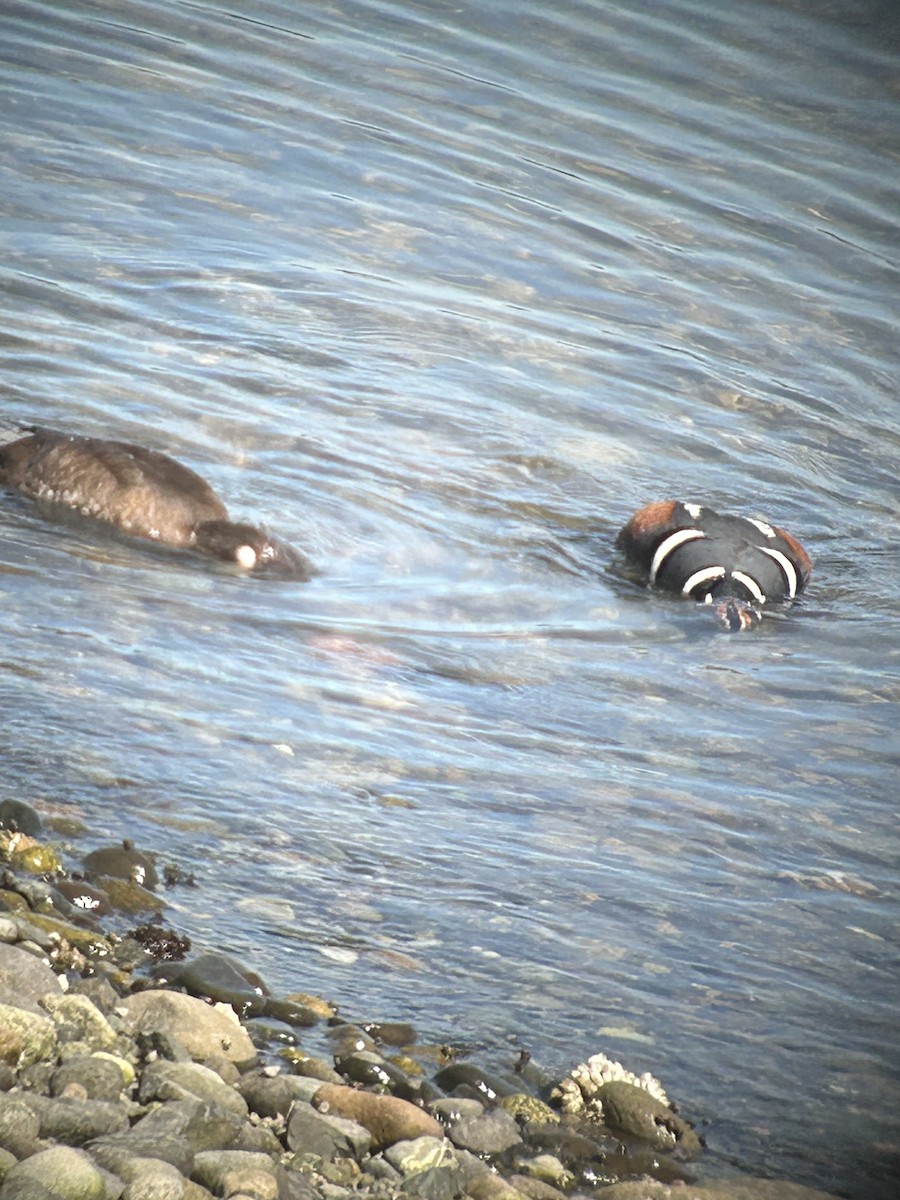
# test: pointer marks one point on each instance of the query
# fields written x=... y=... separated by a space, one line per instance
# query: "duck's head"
x=251 y=549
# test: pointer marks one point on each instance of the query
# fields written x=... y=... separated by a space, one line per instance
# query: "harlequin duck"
x=143 y=493
x=739 y=564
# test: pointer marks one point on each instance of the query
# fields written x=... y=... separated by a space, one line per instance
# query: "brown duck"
x=142 y=493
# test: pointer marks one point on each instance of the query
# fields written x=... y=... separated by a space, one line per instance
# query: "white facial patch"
x=693 y=510
x=707 y=575
x=670 y=543
x=787 y=569
x=245 y=556
x=751 y=585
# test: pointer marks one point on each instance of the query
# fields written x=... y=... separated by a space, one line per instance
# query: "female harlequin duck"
x=143 y=493
x=737 y=563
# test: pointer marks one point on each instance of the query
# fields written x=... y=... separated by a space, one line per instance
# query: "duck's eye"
x=245 y=556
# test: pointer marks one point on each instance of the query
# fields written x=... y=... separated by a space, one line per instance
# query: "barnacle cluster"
x=578 y=1092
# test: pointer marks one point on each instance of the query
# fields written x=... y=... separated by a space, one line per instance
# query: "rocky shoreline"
x=131 y=1069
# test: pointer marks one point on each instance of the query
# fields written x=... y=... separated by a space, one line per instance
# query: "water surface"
x=442 y=293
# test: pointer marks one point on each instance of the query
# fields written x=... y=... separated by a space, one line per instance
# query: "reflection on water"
x=442 y=294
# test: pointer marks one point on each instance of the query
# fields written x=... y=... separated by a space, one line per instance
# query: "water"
x=442 y=293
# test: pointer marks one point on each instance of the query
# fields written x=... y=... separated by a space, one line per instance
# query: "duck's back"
x=141 y=491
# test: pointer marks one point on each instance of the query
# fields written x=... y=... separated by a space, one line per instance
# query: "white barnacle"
x=579 y=1091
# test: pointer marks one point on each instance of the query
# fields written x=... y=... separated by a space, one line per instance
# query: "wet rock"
x=20 y=818
x=390 y=1033
x=298 y=1016
x=204 y=1031
x=325 y=1135
x=492 y=1187
x=27 y=854
x=218 y=977
x=24 y=978
x=9 y=931
x=92 y=900
x=49 y=931
x=80 y=1026
x=31 y=1036
x=59 y=1172
x=369 y=1069
x=128 y=896
x=579 y=1091
x=349 y=1039
x=451 y=1109
x=486 y=1134
x=536 y=1189
x=572 y=1146
x=484 y=1083
x=307 y=1064
x=547 y=1169
x=388 y=1118
x=636 y=1111
x=189 y=1081
x=236 y=1172
x=741 y=1188
x=122 y=862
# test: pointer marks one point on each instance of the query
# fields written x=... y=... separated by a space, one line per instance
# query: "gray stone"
x=230 y=1172
x=9 y=930
x=320 y=1134
x=100 y=1077
x=127 y=1157
x=80 y=1025
x=20 y=1126
x=273 y=1095
x=24 y=978
x=150 y=1179
x=488 y=1133
x=189 y=1081
x=204 y=1127
x=61 y=1173
x=205 y=1031
x=75 y=1122
x=30 y=1036
x=419 y=1154
x=450 y=1109
x=174 y=1132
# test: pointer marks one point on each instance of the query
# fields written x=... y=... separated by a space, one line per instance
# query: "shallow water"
x=442 y=293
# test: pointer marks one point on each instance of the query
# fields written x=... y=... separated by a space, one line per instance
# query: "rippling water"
x=442 y=292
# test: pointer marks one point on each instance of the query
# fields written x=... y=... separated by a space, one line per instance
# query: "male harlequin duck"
x=143 y=493
x=736 y=563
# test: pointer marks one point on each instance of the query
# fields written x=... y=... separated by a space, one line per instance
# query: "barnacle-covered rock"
x=577 y=1093
x=604 y=1091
